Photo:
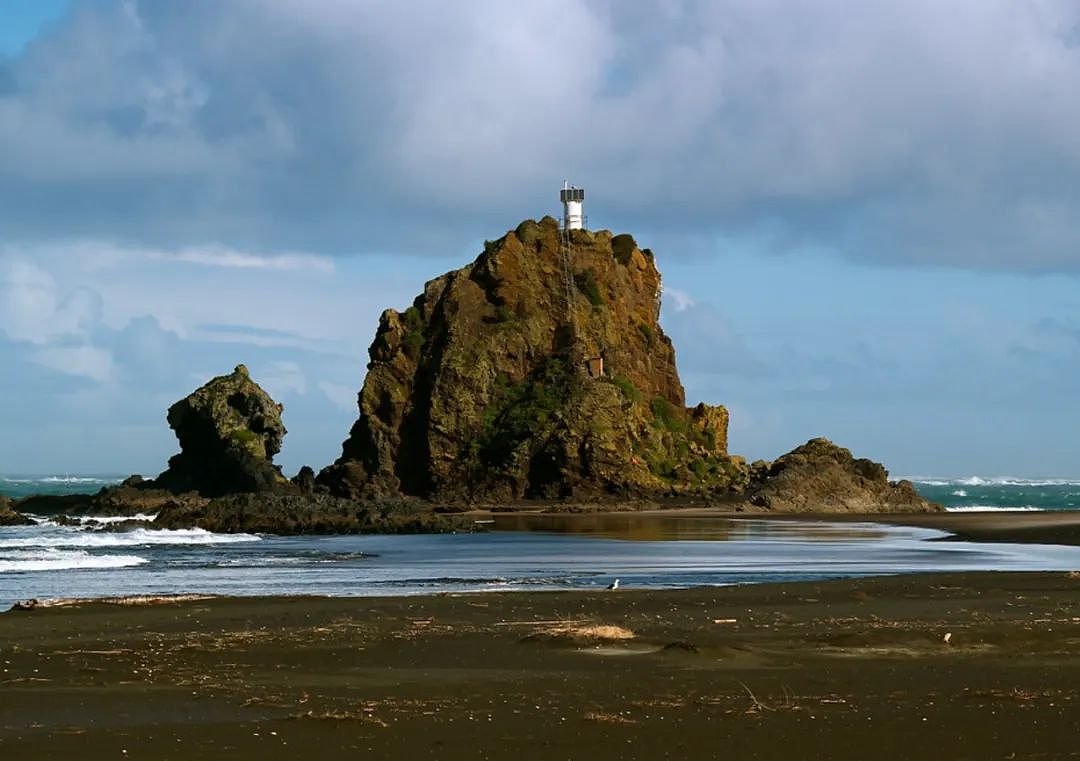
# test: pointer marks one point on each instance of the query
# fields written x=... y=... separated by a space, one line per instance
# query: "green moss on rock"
x=229 y=431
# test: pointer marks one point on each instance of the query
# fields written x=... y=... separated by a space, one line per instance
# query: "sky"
x=865 y=212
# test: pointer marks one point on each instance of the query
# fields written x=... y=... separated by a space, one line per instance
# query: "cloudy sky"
x=867 y=212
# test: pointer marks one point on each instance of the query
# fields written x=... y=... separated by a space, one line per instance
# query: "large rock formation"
x=229 y=431
x=479 y=391
x=819 y=476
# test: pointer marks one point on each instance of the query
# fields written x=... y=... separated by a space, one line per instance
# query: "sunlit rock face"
x=489 y=388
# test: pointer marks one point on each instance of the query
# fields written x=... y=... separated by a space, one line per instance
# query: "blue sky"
x=865 y=213
x=23 y=21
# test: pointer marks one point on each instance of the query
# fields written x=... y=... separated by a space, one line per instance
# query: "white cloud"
x=281 y=379
x=84 y=361
x=34 y=309
x=68 y=287
x=223 y=257
x=341 y=395
x=27 y=301
x=680 y=300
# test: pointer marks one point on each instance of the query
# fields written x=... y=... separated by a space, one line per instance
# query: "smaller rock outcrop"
x=8 y=516
x=229 y=431
x=142 y=499
x=820 y=476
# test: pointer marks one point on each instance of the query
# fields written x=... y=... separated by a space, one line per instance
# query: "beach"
x=954 y=666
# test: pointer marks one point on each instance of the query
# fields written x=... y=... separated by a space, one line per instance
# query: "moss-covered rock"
x=479 y=391
x=820 y=476
x=229 y=431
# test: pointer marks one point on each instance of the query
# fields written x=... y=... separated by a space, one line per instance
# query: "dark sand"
x=836 y=670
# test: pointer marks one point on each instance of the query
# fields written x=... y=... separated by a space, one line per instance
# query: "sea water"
x=16 y=486
x=49 y=561
x=976 y=493
x=546 y=552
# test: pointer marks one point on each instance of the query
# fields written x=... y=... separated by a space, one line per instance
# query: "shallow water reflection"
x=652 y=527
x=548 y=552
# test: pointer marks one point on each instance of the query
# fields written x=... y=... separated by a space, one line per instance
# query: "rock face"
x=8 y=516
x=229 y=431
x=479 y=391
x=819 y=476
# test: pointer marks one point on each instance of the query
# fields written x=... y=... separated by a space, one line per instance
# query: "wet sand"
x=1018 y=526
x=1050 y=527
x=849 y=669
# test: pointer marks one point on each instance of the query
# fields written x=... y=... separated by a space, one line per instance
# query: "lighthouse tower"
x=572 y=198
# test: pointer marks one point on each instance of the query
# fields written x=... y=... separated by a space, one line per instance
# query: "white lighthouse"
x=572 y=198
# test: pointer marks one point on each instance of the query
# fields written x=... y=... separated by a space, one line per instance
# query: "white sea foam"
x=959 y=493
x=138 y=537
x=992 y=508
x=117 y=518
x=993 y=481
x=75 y=480
x=55 y=560
x=927 y=481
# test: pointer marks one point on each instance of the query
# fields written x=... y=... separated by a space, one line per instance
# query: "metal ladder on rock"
x=566 y=264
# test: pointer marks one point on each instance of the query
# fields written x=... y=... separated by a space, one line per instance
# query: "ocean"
x=48 y=561
x=975 y=493
x=16 y=486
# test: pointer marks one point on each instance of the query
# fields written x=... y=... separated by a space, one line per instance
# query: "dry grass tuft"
x=786 y=702
x=601 y=631
x=579 y=633
x=600 y=717
x=365 y=714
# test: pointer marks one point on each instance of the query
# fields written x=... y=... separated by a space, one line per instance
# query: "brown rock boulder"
x=820 y=476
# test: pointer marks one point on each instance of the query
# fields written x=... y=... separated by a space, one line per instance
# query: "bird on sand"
x=613 y=585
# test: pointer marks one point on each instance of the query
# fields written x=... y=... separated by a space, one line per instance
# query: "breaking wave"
x=59 y=560
x=106 y=519
x=993 y=481
x=76 y=480
x=992 y=508
x=138 y=538
x=974 y=493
